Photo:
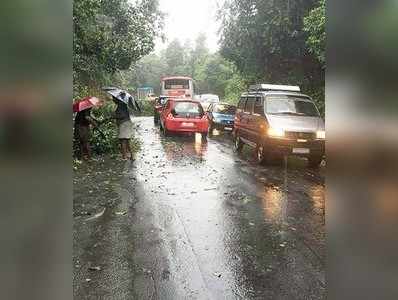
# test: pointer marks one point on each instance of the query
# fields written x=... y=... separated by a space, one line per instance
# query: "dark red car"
x=185 y=116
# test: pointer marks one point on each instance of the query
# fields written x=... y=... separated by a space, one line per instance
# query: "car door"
x=258 y=118
x=249 y=120
x=239 y=115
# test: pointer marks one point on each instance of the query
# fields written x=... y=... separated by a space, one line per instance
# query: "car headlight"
x=276 y=132
x=321 y=135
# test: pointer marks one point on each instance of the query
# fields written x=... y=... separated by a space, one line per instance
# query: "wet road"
x=193 y=220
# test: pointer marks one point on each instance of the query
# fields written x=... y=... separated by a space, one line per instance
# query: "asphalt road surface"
x=194 y=220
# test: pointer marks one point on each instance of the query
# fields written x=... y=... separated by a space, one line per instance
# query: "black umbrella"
x=123 y=96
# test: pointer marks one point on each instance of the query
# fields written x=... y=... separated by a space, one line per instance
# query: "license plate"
x=301 y=150
x=228 y=128
x=185 y=124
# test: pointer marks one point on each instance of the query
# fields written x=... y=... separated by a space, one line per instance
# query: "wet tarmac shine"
x=191 y=219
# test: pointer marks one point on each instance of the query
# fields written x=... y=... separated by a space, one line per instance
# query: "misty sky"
x=185 y=19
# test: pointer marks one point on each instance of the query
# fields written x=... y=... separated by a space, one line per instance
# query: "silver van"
x=279 y=120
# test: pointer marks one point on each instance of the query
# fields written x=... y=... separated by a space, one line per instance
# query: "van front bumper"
x=293 y=147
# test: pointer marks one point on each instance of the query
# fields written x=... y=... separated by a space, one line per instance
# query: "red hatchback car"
x=185 y=116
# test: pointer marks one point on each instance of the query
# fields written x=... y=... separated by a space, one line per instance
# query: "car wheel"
x=314 y=161
x=165 y=131
x=238 y=145
x=260 y=154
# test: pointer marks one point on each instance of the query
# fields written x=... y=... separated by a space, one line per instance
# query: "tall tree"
x=109 y=35
x=176 y=58
x=211 y=72
x=199 y=54
x=266 y=41
x=314 y=26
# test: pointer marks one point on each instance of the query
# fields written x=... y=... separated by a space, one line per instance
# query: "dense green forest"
x=212 y=73
x=278 y=41
x=275 y=41
x=110 y=35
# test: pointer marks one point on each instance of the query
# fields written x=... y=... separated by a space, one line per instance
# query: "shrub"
x=104 y=140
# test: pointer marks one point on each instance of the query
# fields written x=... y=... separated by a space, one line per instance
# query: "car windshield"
x=290 y=105
x=209 y=98
x=186 y=109
x=225 y=109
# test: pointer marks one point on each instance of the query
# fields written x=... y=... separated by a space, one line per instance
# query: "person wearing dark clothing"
x=125 y=128
x=82 y=133
x=121 y=113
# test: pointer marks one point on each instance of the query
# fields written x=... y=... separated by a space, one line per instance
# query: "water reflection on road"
x=207 y=223
x=233 y=218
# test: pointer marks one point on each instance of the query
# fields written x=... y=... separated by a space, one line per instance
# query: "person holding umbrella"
x=125 y=127
x=123 y=101
x=82 y=123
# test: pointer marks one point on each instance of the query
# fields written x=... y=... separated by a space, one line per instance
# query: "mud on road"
x=194 y=220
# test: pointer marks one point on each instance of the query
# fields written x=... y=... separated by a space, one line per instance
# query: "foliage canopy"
x=278 y=41
x=211 y=72
x=109 y=35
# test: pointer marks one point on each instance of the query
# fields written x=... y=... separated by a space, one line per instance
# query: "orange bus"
x=177 y=86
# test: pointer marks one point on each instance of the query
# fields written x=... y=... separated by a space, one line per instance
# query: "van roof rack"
x=273 y=87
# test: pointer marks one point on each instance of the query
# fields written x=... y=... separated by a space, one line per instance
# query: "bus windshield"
x=172 y=84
